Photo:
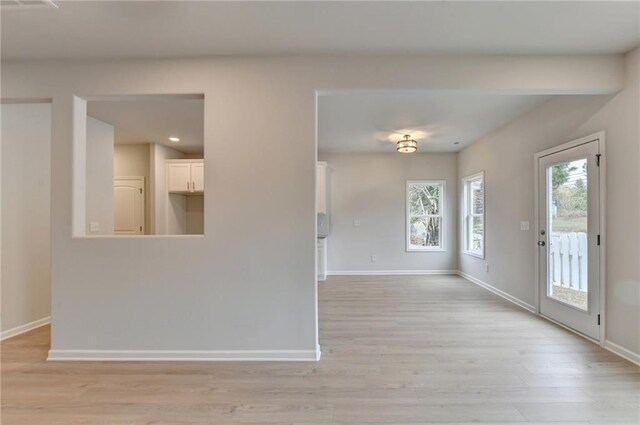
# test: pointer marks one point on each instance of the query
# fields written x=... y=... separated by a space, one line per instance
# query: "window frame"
x=441 y=215
x=467 y=215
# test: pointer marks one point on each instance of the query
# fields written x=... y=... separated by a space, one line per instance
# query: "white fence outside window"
x=568 y=260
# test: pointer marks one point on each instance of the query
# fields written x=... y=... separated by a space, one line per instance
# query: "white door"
x=197 y=177
x=128 y=205
x=179 y=177
x=569 y=236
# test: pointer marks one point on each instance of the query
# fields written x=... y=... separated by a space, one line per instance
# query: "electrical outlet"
x=94 y=226
x=486 y=267
x=524 y=225
x=374 y=258
x=356 y=223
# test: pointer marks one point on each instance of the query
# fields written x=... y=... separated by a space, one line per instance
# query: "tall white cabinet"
x=321 y=187
x=321 y=208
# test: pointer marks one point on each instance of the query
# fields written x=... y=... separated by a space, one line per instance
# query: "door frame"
x=140 y=179
x=600 y=137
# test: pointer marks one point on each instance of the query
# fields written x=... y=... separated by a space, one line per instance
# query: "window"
x=474 y=215
x=425 y=205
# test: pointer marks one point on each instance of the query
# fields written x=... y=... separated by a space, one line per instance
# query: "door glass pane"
x=567 y=259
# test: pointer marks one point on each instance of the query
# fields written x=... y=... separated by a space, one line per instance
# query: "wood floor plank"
x=402 y=350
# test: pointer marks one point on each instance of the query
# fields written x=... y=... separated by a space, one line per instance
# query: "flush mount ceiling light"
x=408 y=145
x=174 y=139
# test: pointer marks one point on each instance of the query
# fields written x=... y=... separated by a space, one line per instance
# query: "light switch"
x=356 y=223
x=524 y=225
x=94 y=226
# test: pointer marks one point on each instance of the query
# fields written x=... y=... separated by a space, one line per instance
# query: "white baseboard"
x=608 y=345
x=186 y=355
x=24 y=328
x=622 y=352
x=389 y=272
x=498 y=292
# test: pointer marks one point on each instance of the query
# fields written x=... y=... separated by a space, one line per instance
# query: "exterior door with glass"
x=569 y=236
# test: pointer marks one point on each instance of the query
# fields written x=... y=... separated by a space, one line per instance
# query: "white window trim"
x=465 y=215
x=407 y=226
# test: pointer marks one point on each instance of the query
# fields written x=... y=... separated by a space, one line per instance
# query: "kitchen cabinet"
x=185 y=176
x=197 y=177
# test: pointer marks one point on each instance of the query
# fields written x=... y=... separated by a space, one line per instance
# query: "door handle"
x=187 y=185
x=193 y=185
x=541 y=243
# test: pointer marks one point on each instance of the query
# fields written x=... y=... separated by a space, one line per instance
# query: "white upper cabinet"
x=321 y=187
x=178 y=177
x=185 y=176
x=197 y=177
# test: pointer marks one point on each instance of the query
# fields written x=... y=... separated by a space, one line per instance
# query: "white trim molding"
x=498 y=292
x=186 y=355
x=390 y=272
x=622 y=352
x=608 y=345
x=18 y=330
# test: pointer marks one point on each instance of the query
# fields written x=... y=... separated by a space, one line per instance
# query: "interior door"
x=568 y=243
x=128 y=205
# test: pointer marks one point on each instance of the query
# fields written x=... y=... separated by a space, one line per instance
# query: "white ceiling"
x=374 y=121
x=154 y=121
x=186 y=29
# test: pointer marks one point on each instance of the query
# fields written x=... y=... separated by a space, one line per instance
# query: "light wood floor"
x=401 y=350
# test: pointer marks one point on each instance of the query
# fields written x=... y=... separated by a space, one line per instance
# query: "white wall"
x=132 y=161
x=26 y=168
x=506 y=156
x=371 y=188
x=168 y=211
x=99 y=187
x=244 y=285
x=194 y=215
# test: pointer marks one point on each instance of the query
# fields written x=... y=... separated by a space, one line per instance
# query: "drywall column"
x=160 y=196
x=99 y=172
x=25 y=268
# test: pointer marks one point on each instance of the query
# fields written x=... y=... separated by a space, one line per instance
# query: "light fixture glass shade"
x=407 y=145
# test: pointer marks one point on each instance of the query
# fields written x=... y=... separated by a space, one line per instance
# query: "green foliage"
x=570 y=200
x=560 y=174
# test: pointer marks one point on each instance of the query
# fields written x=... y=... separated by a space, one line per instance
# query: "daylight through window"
x=424 y=215
x=474 y=215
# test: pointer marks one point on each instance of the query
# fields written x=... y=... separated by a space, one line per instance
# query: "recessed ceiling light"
x=174 y=139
